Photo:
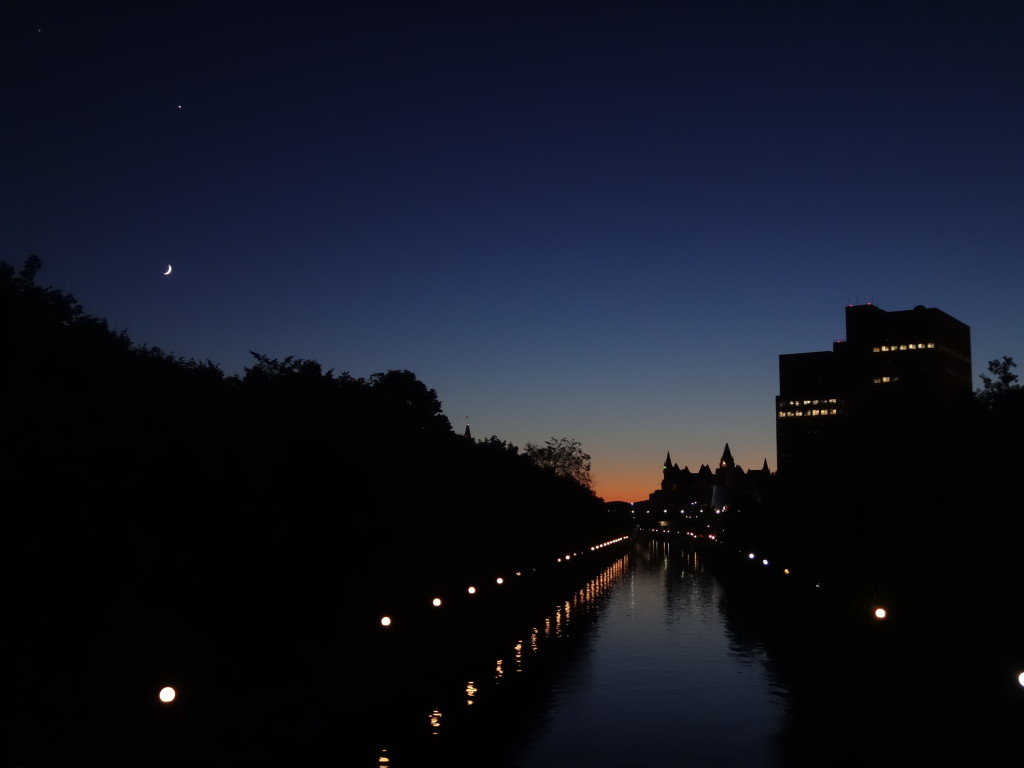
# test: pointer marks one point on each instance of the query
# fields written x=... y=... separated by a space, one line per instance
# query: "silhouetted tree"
x=1002 y=382
x=267 y=369
x=495 y=444
x=563 y=456
x=408 y=400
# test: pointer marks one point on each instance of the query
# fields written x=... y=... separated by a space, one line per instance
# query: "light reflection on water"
x=642 y=667
x=554 y=628
x=666 y=681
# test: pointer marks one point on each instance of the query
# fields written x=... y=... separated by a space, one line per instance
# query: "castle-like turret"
x=726 y=485
x=726 y=462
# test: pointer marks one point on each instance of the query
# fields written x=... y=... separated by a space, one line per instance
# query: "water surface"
x=665 y=679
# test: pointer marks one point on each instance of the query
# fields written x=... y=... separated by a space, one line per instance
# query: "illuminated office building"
x=890 y=384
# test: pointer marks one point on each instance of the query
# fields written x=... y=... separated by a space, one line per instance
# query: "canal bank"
x=436 y=682
x=933 y=678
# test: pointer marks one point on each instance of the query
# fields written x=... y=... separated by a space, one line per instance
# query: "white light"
x=751 y=555
x=764 y=562
x=1020 y=679
x=499 y=580
x=880 y=613
x=167 y=694
x=385 y=621
x=437 y=602
x=472 y=590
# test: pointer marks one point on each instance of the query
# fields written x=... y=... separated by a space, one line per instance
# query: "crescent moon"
x=168 y=270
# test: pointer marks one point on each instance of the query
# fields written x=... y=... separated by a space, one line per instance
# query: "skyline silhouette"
x=605 y=224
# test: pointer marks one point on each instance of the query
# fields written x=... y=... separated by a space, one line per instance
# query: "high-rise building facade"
x=895 y=373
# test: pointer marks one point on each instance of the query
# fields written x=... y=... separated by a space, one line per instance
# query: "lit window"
x=903 y=347
x=833 y=412
x=931 y=345
x=876 y=349
x=886 y=379
x=912 y=346
x=782 y=414
x=807 y=402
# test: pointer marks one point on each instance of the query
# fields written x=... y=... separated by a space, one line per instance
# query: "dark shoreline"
x=870 y=692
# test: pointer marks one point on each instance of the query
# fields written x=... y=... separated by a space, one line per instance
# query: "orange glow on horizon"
x=628 y=482
x=628 y=488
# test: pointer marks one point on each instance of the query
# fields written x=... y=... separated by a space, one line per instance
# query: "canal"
x=653 y=662
x=643 y=665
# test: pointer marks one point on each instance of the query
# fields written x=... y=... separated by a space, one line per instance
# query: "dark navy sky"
x=596 y=220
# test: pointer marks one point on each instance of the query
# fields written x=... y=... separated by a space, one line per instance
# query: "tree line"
x=123 y=456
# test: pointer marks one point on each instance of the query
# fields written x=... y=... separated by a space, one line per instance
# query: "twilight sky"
x=597 y=220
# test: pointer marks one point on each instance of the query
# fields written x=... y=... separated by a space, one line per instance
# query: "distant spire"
x=764 y=468
x=468 y=436
x=668 y=460
x=727 y=462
